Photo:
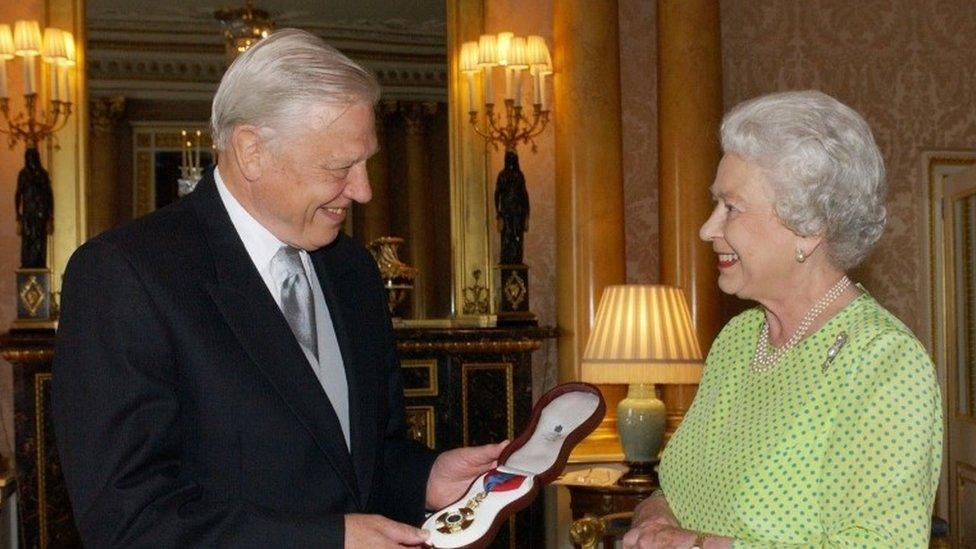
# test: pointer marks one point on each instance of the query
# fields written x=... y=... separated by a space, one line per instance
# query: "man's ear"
x=248 y=148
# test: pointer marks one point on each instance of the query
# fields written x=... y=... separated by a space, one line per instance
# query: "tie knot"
x=287 y=261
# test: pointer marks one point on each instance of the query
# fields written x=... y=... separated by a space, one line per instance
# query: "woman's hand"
x=654 y=525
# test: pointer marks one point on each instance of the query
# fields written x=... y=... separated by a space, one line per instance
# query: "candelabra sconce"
x=397 y=276
x=36 y=122
x=190 y=169
x=519 y=58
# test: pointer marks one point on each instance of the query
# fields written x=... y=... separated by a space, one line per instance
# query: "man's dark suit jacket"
x=185 y=411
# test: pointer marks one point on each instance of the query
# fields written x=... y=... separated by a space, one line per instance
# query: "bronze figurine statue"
x=34 y=202
x=512 y=209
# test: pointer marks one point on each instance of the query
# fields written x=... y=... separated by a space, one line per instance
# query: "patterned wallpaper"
x=638 y=101
x=906 y=65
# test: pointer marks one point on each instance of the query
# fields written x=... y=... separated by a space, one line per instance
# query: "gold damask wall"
x=907 y=65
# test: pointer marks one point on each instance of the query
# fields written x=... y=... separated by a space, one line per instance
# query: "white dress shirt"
x=261 y=246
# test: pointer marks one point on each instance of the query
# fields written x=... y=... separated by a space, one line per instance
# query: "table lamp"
x=643 y=335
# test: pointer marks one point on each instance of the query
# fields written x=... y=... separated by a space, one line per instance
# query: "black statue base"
x=513 y=285
x=35 y=309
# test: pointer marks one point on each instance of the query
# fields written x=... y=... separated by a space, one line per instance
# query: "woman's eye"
x=729 y=207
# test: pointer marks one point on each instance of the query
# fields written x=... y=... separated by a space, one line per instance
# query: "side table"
x=595 y=502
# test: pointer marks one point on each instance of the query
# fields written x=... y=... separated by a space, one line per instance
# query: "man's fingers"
x=401 y=533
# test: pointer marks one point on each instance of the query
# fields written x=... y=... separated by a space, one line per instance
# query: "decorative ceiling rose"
x=243 y=27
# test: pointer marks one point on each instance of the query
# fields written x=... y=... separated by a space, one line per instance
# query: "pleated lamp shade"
x=642 y=334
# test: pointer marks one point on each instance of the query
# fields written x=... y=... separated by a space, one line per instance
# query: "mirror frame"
x=471 y=203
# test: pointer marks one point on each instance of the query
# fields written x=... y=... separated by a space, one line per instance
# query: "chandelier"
x=243 y=27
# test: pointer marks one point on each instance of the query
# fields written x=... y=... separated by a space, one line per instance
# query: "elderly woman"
x=818 y=422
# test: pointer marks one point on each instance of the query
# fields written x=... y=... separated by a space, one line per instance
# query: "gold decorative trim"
x=39 y=380
x=420 y=425
x=428 y=364
x=144 y=184
x=500 y=346
x=508 y=368
x=15 y=356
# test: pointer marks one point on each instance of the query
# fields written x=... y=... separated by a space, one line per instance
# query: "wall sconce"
x=34 y=198
x=518 y=57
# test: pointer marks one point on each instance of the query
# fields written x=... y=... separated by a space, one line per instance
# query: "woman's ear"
x=808 y=245
x=248 y=148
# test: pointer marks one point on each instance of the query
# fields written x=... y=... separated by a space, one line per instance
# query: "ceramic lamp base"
x=640 y=420
x=639 y=474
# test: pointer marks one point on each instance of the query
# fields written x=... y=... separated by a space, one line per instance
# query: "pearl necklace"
x=765 y=359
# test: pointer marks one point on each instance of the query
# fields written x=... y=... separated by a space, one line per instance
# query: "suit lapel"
x=342 y=287
x=252 y=314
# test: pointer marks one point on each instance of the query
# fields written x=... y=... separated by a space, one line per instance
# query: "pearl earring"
x=800 y=257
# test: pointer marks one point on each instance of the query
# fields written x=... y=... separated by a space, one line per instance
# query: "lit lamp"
x=40 y=119
x=516 y=56
x=643 y=335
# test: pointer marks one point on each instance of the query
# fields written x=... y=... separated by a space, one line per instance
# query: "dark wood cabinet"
x=463 y=387
x=466 y=387
x=45 y=512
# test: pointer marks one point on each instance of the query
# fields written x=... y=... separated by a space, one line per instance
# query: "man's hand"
x=378 y=532
x=454 y=470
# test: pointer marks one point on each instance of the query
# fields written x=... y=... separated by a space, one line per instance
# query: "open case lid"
x=560 y=420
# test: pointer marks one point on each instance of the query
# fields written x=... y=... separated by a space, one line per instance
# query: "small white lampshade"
x=54 y=50
x=70 y=57
x=504 y=44
x=518 y=57
x=7 y=50
x=642 y=334
x=536 y=51
x=27 y=38
x=469 y=57
x=488 y=50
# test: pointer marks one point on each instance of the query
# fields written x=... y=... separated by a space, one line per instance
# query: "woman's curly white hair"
x=820 y=157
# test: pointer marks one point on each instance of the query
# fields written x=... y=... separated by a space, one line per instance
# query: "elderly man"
x=225 y=372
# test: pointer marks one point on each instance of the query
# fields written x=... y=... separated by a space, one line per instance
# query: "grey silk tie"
x=296 y=296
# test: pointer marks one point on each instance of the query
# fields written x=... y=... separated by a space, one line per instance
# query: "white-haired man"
x=225 y=372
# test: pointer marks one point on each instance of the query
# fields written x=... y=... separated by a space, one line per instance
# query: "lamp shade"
x=642 y=334
x=27 y=38
x=536 y=51
x=517 y=53
x=70 y=57
x=54 y=50
x=469 y=57
x=7 y=50
x=487 y=50
x=503 y=44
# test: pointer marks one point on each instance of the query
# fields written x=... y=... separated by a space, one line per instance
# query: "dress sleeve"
x=881 y=466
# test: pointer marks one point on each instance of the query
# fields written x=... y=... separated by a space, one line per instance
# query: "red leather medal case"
x=560 y=420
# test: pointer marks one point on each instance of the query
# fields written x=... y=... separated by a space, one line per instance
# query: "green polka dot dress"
x=847 y=457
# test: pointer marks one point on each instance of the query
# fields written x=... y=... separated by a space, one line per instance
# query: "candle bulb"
x=55 y=81
x=3 y=77
x=63 y=86
x=542 y=89
x=471 y=103
x=29 y=85
x=184 y=162
x=488 y=100
x=508 y=83
x=196 y=163
x=518 y=88
x=66 y=90
x=537 y=87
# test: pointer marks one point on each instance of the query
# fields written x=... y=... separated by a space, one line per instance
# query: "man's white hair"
x=820 y=157
x=274 y=84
